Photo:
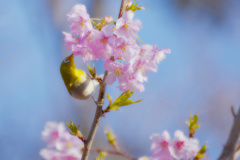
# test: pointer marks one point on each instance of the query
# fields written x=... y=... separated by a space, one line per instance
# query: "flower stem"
x=99 y=114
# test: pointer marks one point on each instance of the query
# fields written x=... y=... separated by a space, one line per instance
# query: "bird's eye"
x=66 y=60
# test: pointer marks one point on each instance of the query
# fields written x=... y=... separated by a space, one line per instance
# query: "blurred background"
x=202 y=74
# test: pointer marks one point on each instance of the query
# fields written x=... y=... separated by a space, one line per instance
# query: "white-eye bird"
x=79 y=84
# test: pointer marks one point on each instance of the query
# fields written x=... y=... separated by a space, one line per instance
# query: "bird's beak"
x=71 y=56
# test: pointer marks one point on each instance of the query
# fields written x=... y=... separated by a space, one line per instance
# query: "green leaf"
x=92 y=70
x=122 y=100
x=109 y=99
x=110 y=135
x=72 y=127
x=101 y=155
x=135 y=6
x=193 y=124
x=74 y=130
x=102 y=22
x=201 y=152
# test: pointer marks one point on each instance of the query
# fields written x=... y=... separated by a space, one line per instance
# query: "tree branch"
x=122 y=8
x=98 y=114
x=229 y=148
x=114 y=152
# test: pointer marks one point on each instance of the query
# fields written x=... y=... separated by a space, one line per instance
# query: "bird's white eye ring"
x=66 y=60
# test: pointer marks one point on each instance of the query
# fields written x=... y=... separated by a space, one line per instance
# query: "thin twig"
x=122 y=8
x=115 y=147
x=229 y=148
x=233 y=112
x=114 y=152
x=99 y=114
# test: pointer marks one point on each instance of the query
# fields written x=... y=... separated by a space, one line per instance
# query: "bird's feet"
x=97 y=103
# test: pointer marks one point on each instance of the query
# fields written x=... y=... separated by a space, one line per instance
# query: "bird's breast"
x=83 y=90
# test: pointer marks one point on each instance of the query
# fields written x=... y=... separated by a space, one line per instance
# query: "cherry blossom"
x=80 y=20
x=52 y=132
x=160 y=146
x=65 y=146
x=78 y=8
x=86 y=50
x=182 y=147
x=125 y=49
x=49 y=154
x=118 y=70
x=140 y=68
x=130 y=61
x=126 y=27
x=160 y=55
x=131 y=83
x=103 y=42
x=71 y=42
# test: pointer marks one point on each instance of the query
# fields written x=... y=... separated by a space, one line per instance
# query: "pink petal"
x=78 y=8
x=151 y=66
x=111 y=78
x=112 y=66
x=138 y=87
x=166 y=136
x=107 y=30
x=141 y=75
x=128 y=15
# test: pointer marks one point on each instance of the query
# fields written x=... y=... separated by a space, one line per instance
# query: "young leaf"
x=111 y=138
x=134 y=6
x=193 y=124
x=92 y=70
x=201 y=152
x=103 y=22
x=75 y=130
x=72 y=127
x=122 y=100
x=101 y=155
x=109 y=99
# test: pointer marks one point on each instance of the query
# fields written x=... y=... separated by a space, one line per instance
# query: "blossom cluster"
x=61 y=145
x=115 y=43
x=181 y=147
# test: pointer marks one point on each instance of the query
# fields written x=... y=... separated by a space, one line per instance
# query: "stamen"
x=180 y=144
